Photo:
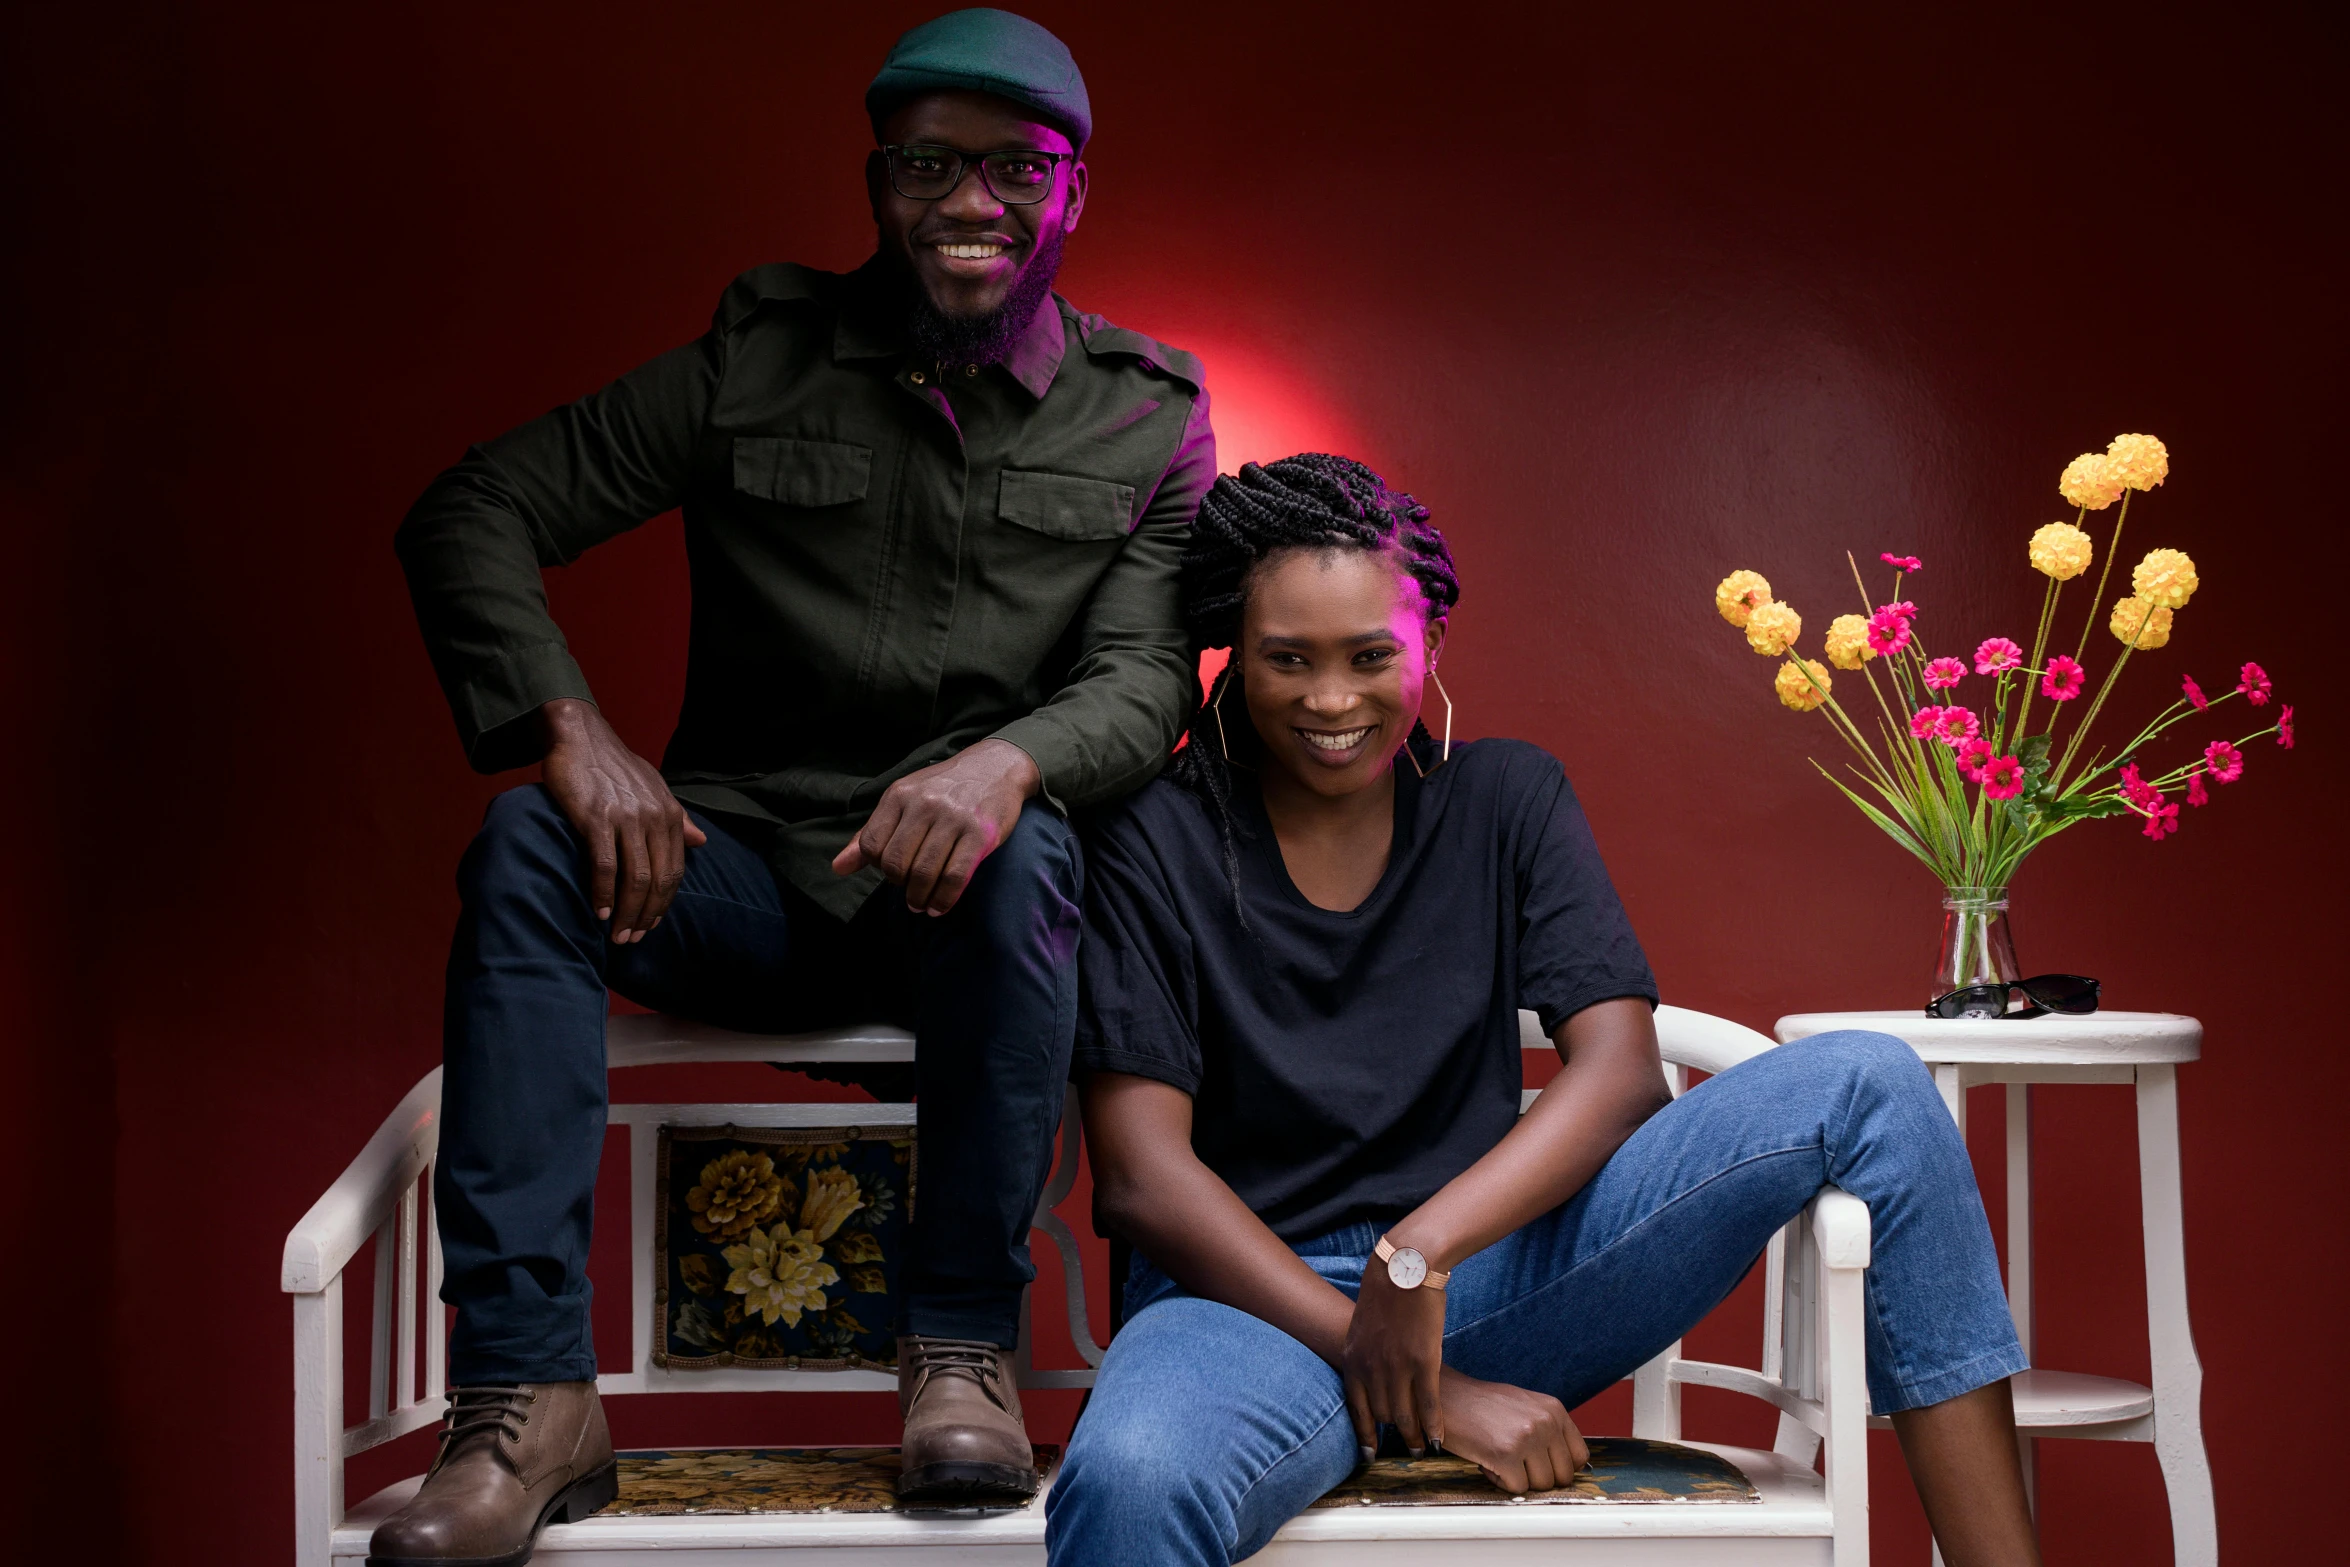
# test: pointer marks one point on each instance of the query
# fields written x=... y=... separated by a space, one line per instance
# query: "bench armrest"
x=352 y=1209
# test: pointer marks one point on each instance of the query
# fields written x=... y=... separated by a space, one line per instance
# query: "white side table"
x=2142 y=1048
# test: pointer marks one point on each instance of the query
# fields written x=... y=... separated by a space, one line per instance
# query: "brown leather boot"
x=512 y=1461
x=964 y=1441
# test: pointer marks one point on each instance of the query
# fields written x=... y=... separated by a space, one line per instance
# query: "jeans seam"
x=1286 y=1455
x=1554 y=1282
x=1903 y=1385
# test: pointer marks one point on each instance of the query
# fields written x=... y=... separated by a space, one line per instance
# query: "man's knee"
x=524 y=841
x=1033 y=879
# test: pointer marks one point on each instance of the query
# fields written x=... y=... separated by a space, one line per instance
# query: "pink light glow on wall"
x=1264 y=410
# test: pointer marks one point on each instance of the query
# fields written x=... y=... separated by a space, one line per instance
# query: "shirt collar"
x=867 y=329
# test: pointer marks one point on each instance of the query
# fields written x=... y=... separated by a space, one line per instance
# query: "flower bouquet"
x=1971 y=788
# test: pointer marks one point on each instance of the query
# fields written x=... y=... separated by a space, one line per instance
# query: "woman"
x=1305 y=951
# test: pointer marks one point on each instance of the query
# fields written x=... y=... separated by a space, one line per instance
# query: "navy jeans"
x=990 y=991
x=1209 y=1429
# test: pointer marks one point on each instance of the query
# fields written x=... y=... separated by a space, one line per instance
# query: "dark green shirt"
x=885 y=569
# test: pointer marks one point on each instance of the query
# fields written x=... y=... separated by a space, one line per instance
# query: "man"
x=933 y=516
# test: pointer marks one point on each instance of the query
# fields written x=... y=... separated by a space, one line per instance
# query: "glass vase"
x=1978 y=948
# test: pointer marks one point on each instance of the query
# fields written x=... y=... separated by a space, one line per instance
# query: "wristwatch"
x=1407 y=1269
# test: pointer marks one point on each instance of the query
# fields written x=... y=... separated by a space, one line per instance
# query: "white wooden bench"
x=1811 y=1366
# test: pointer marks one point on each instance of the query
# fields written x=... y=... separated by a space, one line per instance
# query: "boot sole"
x=964 y=1484
x=581 y=1499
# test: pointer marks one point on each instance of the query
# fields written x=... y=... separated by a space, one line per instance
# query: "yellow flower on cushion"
x=1741 y=593
x=2090 y=480
x=2062 y=551
x=1795 y=687
x=739 y=1190
x=779 y=1273
x=1848 y=642
x=2136 y=621
x=2139 y=461
x=1772 y=629
x=832 y=1197
x=2165 y=577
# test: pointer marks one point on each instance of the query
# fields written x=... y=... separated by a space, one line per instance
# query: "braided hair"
x=1313 y=501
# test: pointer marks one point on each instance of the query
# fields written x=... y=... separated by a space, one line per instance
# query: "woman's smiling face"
x=1335 y=647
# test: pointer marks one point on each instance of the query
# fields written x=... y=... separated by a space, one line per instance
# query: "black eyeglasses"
x=2045 y=993
x=1019 y=177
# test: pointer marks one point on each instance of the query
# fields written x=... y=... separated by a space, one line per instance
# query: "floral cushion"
x=780 y=1247
x=1622 y=1469
x=659 y=1482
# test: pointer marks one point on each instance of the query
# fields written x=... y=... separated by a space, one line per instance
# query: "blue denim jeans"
x=989 y=990
x=1209 y=1429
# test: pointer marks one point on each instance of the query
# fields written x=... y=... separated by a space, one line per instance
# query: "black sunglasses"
x=2045 y=993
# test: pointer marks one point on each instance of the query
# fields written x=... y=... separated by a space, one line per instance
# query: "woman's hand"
x=1522 y=1440
x=1394 y=1361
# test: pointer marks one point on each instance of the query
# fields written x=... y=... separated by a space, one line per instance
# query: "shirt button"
x=970 y=369
x=916 y=378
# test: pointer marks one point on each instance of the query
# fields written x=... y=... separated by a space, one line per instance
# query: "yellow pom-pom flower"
x=2139 y=461
x=1772 y=629
x=1795 y=684
x=2089 y=480
x=2062 y=551
x=2165 y=577
x=2137 y=622
x=1741 y=593
x=1848 y=642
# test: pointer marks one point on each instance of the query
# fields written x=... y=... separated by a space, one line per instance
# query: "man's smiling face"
x=967 y=250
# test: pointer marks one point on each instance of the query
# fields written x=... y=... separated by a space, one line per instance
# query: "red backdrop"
x=1630 y=300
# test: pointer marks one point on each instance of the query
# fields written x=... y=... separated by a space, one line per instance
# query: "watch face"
x=1407 y=1268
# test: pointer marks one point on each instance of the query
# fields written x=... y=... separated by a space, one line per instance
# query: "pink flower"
x=2141 y=794
x=2196 y=793
x=1889 y=629
x=1954 y=726
x=2160 y=820
x=2194 y=692
x=2003 y=779
x=1996 y=654
x=1903 y=562
x=2224 y=761
x=1943 y=673
x=1922 y=722
x=1974 y=757
x=2253 y=682
x=1905 y=609
x=2064 y=679
x=2285 y=727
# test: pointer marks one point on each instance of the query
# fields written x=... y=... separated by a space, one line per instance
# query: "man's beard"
x=942 y=339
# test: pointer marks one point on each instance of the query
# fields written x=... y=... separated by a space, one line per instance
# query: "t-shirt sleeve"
x=1575 y=943
x=1137 y=993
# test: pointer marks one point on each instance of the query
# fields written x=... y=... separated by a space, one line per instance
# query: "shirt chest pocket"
x=801 y=473
x=1062 y=506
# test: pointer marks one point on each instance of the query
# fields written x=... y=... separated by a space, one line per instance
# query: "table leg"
x=1947 y=1078
x=2019 y=1250
x=2178 y=1375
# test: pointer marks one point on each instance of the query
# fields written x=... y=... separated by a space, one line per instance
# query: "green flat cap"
x=985 y=50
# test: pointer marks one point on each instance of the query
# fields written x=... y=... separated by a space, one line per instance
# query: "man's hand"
x=933 y=827
x=1522 y=1440
x=636 y=832
x=1394 y=1357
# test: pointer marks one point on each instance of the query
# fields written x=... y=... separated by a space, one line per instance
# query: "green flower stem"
x=2023 y=717
x=2111 y=676
x=2112 y=549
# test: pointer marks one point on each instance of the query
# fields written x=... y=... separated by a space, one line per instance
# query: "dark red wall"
x=1629 y=299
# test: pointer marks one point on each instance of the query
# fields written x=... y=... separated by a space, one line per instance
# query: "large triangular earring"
x=1446 y=755
x=1224 y=684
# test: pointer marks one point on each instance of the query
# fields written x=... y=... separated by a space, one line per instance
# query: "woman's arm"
x=1610 y=1082
x=1150 y=1187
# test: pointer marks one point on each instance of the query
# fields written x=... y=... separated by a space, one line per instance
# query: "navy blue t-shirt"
x=1345 y=1066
